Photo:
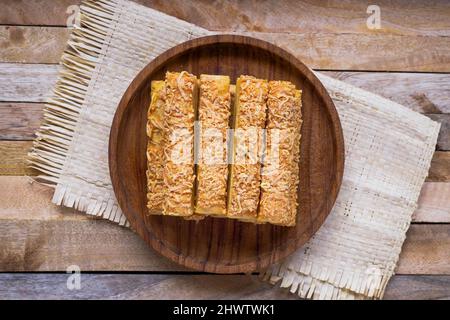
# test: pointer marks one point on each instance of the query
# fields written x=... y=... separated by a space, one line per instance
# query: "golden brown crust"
x=212 y=171
x=244 y=177
x=179 y=117
x=280 y=173
x=155 y=147
x=243 y=190
x=282 y=108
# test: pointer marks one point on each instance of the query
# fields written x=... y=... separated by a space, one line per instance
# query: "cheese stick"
x=155 y=148
x=249 y=118
x=179 y=117
x=212 y=171
x=280 y=173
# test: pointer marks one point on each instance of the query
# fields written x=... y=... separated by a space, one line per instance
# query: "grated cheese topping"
x=155 y=147
x=244 y=186
x=280 y=173
x=179 y=116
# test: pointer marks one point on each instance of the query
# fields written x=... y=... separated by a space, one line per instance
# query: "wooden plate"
x=225 y=245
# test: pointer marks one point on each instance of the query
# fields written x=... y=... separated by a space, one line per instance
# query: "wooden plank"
x=426 y=250
x=38 y=236
x=443 y=142
x=201 y=287
x=330 y=51
x=26 y=82
x=434 y=203
x=13 y=158
x=36 y=12
x=24 y=200
x=418 y=288
x=19 y=121
x=422 y=92
x=51 y=245
x=365 y=52
x=400 y=17
x=32 y=44
x=139 y=286
x=440 y=167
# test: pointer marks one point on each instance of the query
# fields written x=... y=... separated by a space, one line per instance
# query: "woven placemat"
x=388 y=152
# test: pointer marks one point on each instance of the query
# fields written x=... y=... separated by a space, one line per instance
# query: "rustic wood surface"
x=377 y=52
x=228 y=245
x=37 y=236
x=198 y=286
x=402 y=17
x=331 y=36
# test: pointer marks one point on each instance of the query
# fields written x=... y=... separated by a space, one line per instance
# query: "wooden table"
x=413 y=44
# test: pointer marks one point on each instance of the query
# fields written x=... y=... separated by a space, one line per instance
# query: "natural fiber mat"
x=388 y=152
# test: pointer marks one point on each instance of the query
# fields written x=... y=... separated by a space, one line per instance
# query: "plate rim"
x=178 y=50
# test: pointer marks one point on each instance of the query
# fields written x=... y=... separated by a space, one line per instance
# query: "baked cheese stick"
x=280 y=174
x=249 y=117
x=155 y=147
x=179 y=117
x=212 y=171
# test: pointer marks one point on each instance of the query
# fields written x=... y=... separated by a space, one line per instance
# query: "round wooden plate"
x=225 y=245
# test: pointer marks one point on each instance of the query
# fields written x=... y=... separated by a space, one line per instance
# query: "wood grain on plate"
x=224 y=245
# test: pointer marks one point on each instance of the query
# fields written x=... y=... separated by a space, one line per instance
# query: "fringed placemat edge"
x=61 y=112
x=310 y=280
